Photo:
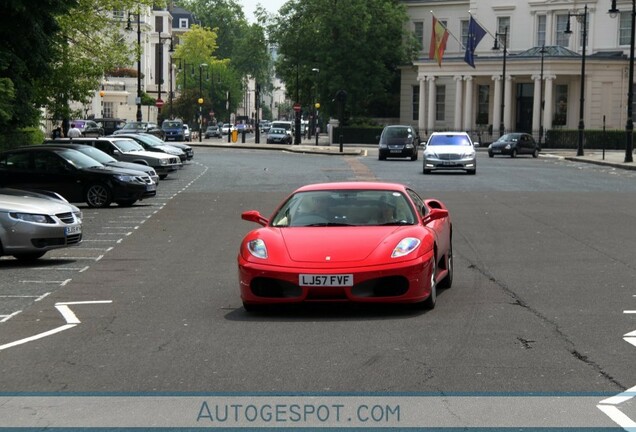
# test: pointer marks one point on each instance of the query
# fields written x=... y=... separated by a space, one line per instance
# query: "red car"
x=367 y=242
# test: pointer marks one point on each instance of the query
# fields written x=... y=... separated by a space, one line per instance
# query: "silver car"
x=450 y=151
x=32 y=223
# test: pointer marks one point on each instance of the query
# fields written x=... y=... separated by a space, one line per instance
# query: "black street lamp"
x=159 y=102
x=629 y=127
x=129 y=27
x=541 y=101
x=568 y=31
x=503 y=76
x=200 y=101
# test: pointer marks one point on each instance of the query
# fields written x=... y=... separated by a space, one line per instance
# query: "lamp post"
x=129 y=27
x=201 y=66
x=159 y=102
x=312 y=126
x=541 y=102
x=503 y=76
x=629 y=127
x=568 y=31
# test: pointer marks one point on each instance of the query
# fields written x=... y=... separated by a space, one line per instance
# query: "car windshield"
x=78 y=159
x=398 y=132
x=449 y=140
x=97 y=154
x=150 y=139
x=171 y=125
x=127 y=145
x=335 y=208
x=134 y=126
x=508 y=138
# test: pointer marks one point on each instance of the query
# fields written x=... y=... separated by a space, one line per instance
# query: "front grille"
x=273 y=288
x=174 y=160
x=73 y=239
x=144 y=179
x=449 y=156
x=67 y=218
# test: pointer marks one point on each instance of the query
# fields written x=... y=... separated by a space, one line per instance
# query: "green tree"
x=357 y=46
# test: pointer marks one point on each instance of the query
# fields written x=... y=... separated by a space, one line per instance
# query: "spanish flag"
x=439 y=36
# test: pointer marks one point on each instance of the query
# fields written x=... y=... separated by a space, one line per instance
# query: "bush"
x=593 y=139
x=21 y=137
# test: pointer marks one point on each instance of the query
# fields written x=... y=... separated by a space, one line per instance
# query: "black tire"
x=381 y=156
x=98 y=195
x=491 y=155
x=535 y=153
x=513 y=154
x=27 y=257
x=414 y=157
x=251 y=307
x=472 y=172
x=447 y=282
x=163 y=176
x=431 y=300
x=426 y=171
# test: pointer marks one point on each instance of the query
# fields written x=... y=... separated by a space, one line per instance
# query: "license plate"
x=496 y=151
x=396 y=151
x=325 y=280
x=448 y=163
x=72 y=230
x=151 y=187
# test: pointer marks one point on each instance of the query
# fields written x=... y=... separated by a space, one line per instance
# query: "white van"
x=287 y=125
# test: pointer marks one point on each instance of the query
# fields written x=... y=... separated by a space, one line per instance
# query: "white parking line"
x=4 y=318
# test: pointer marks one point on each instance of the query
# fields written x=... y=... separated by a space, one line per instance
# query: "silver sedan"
x=32 y=223
x=450 y=151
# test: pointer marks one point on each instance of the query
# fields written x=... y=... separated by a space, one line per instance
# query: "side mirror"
x=254 y=216
x=475 y=144
x=116 y=152
x=434 y=214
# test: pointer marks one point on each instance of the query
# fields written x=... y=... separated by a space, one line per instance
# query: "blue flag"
x=475 y=35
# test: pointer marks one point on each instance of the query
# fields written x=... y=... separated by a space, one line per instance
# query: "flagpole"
x=449 y=32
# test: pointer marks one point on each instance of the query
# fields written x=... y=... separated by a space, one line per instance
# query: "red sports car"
x=352 y=241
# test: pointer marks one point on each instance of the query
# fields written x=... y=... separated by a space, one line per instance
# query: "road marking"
x=5 y=318
x=68 y=315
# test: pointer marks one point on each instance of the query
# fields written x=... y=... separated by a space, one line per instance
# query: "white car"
x=227 y=128
x=186 y=133
x=33 y=223
x=450 y=151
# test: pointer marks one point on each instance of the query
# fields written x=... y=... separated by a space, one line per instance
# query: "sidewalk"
x=612 y=158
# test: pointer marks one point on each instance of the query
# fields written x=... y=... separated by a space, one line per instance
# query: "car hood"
x=453 y=149
x=326 y=244
x=502 y=143
x=24 y=204
x=114 y=170
x=149 y=154
x=131 y=166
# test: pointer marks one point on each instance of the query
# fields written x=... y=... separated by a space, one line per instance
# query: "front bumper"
x=402 y=282
x=20 y=237
x=435 y=163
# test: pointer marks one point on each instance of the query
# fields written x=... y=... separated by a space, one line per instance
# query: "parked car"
x=227 y=128
x=110 y=125
x=265 y=126
x=88 y=127
x=138 y=127
x=187 y=133
x=33 y=223
x=513 y=144
x=213 y=132
x=368 y=242
x=278 y=136
x=398 y=141
x=449 y=151
x=104 y=158
x=173 y=130
x=128 y=150
x=153 y=144
x=75 y=176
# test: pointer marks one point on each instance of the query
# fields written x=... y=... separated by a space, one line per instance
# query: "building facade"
x=541 y=63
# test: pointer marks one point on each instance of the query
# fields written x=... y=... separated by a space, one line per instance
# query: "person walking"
x=74 y=132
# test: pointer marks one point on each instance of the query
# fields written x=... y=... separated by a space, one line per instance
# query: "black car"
x=398 y=141
x=104 y=158
x=514 y=144
x=213 y=131
x=75 y=176
x=153 y=144
x=88 y=128
x=140 y=127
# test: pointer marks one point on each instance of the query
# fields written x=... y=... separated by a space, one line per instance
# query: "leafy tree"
x=357 y=46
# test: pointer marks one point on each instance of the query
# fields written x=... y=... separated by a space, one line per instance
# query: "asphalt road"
x=542 y=298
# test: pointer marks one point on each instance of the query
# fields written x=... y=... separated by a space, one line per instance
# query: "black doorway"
x=525 y=100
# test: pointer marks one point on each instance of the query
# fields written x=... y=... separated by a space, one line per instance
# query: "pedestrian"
x=74 y=132
x=57 y=132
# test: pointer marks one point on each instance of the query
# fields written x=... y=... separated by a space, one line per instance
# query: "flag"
x=475 y=35
x=439 y=36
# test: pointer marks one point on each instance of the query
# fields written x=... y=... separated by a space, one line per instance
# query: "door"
x=525 y=100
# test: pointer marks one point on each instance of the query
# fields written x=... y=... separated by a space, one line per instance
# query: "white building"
x=457 y=96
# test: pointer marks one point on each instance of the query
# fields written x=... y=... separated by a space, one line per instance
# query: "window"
x=561 y=24
x=541 y=23
x=416 y=102
x=561 y=105
x=183 y=23
x=159 y=24
x=118 y=14
x=440 y=103
x=159 y=63
x=418 y=30
x=625 y=28
x=483 y=102
x=503 y=26
x=463 y=32
x=108 y=109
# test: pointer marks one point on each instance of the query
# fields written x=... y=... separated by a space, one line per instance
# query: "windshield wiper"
x=396 y=223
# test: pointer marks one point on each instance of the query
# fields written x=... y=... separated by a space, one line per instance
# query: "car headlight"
x=508 y=146
x=163 y=161
x=30 y=217
x=257 y=248
x=431 y=154
x=468 y=155
x=405 y=247
x=126 y=178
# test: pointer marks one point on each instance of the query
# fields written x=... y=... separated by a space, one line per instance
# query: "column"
x=469 y=120
x=536 y=104
x=431 y=109
x=459 y=80
x=496 y=106
x=508 y=105
x=421 y=118
x=548 y=97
